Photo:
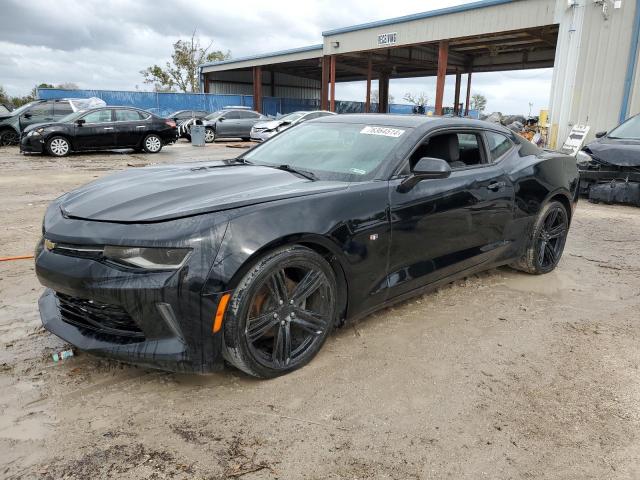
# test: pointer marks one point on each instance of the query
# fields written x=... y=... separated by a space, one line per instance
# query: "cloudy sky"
x=105 y=43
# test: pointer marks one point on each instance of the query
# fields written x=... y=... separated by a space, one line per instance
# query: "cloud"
x=104 y=44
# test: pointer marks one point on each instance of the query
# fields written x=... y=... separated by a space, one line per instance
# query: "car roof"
x=408 y=121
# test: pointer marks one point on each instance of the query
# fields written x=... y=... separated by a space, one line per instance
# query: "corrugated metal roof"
x=309 y=48
x=419 y=16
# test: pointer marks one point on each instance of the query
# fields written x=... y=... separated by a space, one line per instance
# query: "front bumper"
x=157 y=319
x=261 y=136
x=32 y=144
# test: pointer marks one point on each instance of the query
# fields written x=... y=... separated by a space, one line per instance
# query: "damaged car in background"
x=255 y=259
x=13 y=123
x=264 y=130
x=610 y=166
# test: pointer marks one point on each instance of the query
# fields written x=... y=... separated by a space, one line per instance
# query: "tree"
x=478 y=102
x=419 y=100
x=182 y=71
x=375 y=97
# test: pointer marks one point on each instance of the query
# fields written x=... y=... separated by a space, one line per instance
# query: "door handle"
x=495 y=186
x=141 y=126
x=108 y=128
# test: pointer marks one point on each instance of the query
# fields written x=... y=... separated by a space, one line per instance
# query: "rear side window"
x=128 y=116
x=42 y=110
x=99 y=116
x=248 y=115
x=60 y=109
x=498 y=145
x=232 y=115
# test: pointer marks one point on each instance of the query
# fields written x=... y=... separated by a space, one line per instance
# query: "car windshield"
x=213 y=115
x=332 y=151
x=24 y=107
x=629 y=129
x=72 y=116
x=292 y=117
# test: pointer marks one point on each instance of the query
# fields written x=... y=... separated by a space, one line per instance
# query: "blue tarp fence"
x=164 y=103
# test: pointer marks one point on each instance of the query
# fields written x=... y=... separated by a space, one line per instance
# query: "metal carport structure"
x=588 y=42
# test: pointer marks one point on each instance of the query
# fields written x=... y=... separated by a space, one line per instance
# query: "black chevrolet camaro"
x=101 y=128
x=255 y=259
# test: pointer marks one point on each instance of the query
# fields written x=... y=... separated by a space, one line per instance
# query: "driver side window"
x=99 y=116
x=459 y=149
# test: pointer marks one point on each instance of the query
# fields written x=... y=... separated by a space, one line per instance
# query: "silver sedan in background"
x=262 y=131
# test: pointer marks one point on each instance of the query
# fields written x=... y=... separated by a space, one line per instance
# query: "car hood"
x=269 y=125
x=34 y=126
x=155 y=194
x=621 y=153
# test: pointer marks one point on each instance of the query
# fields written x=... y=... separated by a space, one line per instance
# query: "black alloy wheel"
x=552 y=237
x=9 y=137
x=281 y=313
x=547 y=241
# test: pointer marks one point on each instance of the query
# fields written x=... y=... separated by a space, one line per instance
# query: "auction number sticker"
x=384 y=131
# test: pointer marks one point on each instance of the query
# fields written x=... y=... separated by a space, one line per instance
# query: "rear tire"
x=209 y=135
x=58 y=146
x=9 y=137
x=281 y=313
x=547 y=240
x=152 y=143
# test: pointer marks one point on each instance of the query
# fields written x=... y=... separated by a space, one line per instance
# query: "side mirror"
x=27 y=115
x=221 y=119
x=425 y=168
x=600 y=134
x=80 y=122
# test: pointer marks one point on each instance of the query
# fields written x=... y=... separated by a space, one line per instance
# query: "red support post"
x=466 y=108
x=324 y=83
x=367 y=103
x=383 y=92
x=333 y=84
x=257 y=89
x=443 y=53
x=456 y=101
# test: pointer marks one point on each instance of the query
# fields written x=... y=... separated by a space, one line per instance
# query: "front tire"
x=152 y=143
x=58 y=146
x=281 y=313
x=9 y=137
x=209 y=135
x=547 y=240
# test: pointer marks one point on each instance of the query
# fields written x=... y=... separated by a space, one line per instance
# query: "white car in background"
x=264 y=130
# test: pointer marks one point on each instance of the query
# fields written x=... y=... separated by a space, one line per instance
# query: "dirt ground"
x=500 y=376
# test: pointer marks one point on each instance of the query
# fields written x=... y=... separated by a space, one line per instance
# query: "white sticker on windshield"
x=358 y=171
x=384 y=131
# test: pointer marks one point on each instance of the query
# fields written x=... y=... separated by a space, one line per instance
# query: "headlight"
x=148 y=258
x=36 y=132
x=583 y=158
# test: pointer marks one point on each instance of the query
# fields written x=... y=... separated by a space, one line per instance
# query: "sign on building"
x=385 y=39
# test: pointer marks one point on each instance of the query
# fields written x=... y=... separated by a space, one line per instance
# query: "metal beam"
x=257 y=89
x=333 y=83
x=324 y=91
x=456 y=97
x=443 y=51
x=367 y=103
x=466 y=107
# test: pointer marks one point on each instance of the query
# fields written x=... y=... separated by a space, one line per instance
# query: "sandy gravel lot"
x=499 y=376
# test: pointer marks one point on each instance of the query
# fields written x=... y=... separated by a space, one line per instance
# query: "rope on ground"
x=19 y=257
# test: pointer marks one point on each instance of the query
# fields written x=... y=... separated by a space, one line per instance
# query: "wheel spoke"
x=551 y=219
x=550 y=253
x=310 y=321
x=282 y=345
x=307 y=286
x=258 y=326
x=556 y=232
x=543 y=246
x=278 y=287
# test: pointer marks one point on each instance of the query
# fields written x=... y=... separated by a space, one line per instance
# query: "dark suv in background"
x=13 y=123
